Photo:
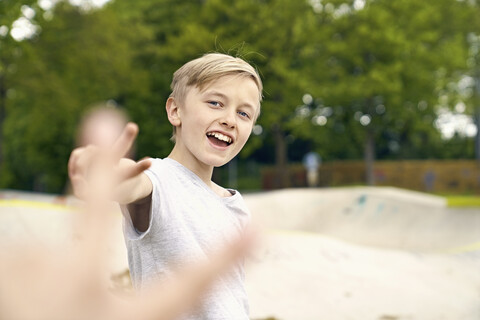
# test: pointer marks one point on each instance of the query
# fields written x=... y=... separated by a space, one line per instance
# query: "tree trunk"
x=281 y=169
x=476 y=120
x=3 y=102
x=369 y=158
x=476 y=117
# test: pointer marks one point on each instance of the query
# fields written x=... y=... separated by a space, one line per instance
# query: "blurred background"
x=378 y=97
x=384 y=92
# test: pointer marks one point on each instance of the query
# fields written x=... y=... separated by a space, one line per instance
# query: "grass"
x=463 y=201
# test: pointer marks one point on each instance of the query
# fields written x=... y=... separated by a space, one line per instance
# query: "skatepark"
x=341 y=253
x=364 y=253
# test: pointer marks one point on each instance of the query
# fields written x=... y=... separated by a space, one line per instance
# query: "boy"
x=174 y=213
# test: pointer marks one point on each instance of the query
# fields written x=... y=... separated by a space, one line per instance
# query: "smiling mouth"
x=219 y=139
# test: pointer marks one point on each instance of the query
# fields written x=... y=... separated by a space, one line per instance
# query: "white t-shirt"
x=188 y=220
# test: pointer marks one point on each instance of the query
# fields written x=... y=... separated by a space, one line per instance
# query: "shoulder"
x=221 y=191
x=159 y=166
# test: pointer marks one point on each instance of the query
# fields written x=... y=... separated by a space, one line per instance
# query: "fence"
x=439 y=176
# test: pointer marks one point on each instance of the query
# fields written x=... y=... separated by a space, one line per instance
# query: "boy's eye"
x=214 y=103
x=244 y=114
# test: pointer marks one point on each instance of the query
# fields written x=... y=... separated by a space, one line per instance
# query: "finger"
x=125 y=141
x=84 y=160
x=170 y=300
x=135 y=170
x=192 y=283
x=79 y=186
x=72 y=161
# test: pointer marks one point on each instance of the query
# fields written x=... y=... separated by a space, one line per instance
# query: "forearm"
x=136 y=195
x=133 y=190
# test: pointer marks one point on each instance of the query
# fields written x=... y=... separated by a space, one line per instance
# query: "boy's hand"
x=88 y=163
x=40 y=283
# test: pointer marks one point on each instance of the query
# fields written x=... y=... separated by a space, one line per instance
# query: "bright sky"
x=48 y=4
x=22 y=28
x=449 y=122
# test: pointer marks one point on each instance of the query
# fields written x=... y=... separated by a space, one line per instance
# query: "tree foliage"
x=344 y=80
x=383 y=67
x=77 y=60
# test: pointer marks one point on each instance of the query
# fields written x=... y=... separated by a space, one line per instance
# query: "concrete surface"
x=364 y=253
x=346 y=253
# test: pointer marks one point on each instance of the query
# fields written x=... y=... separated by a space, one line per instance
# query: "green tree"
x=272 y=35
x=10 y=11
x=157 y=51
x=341 y=80
x=284 y=41
x=78 y=59
x=384 y=65
x=473 y=63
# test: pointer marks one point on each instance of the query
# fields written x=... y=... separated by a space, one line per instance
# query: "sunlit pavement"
x=364 y=253
x=347 y=253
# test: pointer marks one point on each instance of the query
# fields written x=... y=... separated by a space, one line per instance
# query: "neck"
x=203 y=171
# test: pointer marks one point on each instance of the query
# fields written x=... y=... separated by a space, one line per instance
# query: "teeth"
x=220 y=136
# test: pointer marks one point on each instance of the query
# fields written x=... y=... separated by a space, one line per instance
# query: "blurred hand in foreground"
x=55 y=283
x=105 y=139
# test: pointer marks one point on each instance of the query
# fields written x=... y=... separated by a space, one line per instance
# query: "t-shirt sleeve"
x=130 y=231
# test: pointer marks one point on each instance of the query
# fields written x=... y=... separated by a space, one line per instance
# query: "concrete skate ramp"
x=364 y=253
x=381 y=217
x=346 y=253
x=43 y=219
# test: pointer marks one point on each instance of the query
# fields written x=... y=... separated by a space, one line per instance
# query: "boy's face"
x=215 y=123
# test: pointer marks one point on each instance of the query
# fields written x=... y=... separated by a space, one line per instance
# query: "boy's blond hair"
x=202 y=71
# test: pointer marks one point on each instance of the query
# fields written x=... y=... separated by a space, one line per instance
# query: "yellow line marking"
x=466 y=248
x=16 y=203
x=33 y=204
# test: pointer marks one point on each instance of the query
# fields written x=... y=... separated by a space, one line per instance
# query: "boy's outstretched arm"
x=39 y=282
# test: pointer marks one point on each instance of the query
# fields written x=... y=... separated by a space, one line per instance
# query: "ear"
x=173 y=112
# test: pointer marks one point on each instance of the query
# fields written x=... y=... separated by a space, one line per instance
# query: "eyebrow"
x=221 y=95
x=216 y=93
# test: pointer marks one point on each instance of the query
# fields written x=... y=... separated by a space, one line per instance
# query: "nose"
x=229 y=119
